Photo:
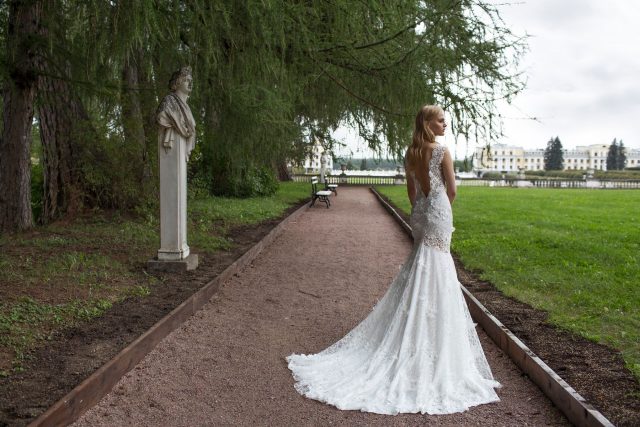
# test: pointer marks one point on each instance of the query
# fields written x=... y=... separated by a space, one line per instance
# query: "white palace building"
x=502 y=157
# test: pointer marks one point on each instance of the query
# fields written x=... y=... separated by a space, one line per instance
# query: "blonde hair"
x=422 y=136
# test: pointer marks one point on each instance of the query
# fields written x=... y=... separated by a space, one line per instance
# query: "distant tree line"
x=269 y=78
x=372 y=163
x=366 y=163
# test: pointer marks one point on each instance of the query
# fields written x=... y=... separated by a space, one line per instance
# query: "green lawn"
x=55 y=276
x=572 y=253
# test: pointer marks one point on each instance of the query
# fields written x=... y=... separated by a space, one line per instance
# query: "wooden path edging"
x=97 y=385
x=571 y=403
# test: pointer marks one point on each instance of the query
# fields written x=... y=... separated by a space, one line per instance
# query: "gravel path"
x=320 y=277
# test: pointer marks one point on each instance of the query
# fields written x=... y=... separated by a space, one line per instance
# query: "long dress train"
x=418 y=350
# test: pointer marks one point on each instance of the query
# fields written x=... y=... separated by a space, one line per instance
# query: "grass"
x=55 y=276
x=571 y=253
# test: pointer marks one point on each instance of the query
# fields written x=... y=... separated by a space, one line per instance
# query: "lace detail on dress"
x=431 y=217
x=436 y=242
x=435 y=168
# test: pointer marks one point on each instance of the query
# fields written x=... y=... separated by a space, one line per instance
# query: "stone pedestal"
x=189 y=263
x=173 y=255
x=173 y=203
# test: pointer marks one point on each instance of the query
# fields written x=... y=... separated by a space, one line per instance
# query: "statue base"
x=178 y=266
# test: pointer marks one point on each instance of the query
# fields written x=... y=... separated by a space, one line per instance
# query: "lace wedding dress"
x=418 y=350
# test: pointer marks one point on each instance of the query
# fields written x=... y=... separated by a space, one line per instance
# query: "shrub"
x=258 y=182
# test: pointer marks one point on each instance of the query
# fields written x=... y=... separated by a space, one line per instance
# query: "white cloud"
x=582 y=69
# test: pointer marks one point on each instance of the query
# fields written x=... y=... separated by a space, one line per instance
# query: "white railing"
x=521 y=183
x=553 y=183
x=354 y=179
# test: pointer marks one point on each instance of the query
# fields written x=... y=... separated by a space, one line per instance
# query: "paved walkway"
x=318 y=279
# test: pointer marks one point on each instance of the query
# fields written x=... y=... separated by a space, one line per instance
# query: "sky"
x=582 y=71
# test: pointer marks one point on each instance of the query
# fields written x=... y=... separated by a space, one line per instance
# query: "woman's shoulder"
x=434 y=147
x=438 y=152
x=438 y=147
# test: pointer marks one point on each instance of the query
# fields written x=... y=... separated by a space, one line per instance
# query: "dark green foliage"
x=258 y=182
x=371 y=163
x=612 y=155
x=564 y=174
x=251 y=182
x=616 y=156
x=553 y=155
x=497 y=175
x=464 y=165
x=621 y=160
x=363 y=164
x=269 y=77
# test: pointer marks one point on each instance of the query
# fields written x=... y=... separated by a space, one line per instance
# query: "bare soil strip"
x=318 y=279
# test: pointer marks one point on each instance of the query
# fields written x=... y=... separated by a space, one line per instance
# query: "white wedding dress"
x=418 y=350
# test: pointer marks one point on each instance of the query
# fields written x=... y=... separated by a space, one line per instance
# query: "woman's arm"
x=449 y=175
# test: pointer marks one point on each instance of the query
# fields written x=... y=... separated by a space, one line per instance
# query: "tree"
x=616 y=156
x=553 y=155
x=612 y=155
x=363 y=164
x=18 y=94
x=621 y=158
x=267 y=76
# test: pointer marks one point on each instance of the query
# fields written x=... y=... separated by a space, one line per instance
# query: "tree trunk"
x=283 y=171
x=64 y=124
x=133 y=119
x=18 y=97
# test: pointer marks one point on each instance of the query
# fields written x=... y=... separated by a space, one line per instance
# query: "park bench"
x=316 y=194
x=331 y=187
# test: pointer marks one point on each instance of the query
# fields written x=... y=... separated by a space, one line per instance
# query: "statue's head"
x=179 y=77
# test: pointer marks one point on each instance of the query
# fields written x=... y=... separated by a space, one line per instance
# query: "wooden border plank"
x=97 y=385
x=571 y=403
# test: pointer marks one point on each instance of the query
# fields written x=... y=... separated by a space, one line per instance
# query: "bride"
x=418 y=350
